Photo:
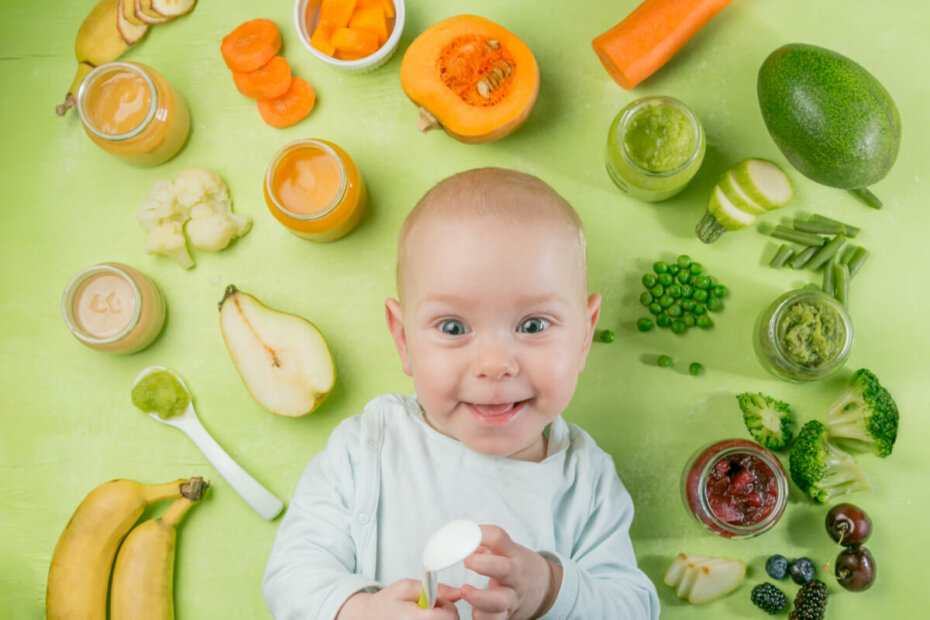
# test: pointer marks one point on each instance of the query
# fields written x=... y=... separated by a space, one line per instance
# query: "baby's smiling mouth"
x=496 y=414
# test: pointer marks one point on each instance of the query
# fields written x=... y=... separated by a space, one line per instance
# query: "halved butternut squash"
x=471 y=77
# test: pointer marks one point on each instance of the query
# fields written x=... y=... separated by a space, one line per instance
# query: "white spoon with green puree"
x=161 y=393
x=449 y=545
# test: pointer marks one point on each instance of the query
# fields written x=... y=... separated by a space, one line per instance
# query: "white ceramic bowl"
x=306 y=14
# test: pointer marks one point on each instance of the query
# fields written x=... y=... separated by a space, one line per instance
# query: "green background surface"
x=67 y=423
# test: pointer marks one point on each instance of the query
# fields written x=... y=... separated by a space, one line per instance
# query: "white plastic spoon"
x=258 y=497
x=449 y=545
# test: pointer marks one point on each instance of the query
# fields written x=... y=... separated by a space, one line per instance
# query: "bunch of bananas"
x=143 y=578
x=111 y=28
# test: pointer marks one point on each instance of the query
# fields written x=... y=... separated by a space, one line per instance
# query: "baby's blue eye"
x=533 y=326
x=452 y=327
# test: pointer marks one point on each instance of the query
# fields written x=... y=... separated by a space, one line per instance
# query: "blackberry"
x=810 y=603
x=768 y=598
x=777 y=566
x=802 y=571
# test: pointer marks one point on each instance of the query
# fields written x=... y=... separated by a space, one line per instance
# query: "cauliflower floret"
x=197 y=185
x=213 y=225
x=161 y=205
x=168 y=238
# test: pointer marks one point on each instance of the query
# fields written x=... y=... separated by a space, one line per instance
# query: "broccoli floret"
x=769 y=421
x=820 y=468
x=864 y=416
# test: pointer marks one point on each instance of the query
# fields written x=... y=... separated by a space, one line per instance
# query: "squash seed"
x=483 y=90
x=494 y=44
x=498 y=73
x=507 y=69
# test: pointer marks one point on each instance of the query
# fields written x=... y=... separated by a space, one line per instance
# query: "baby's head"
x=493 y=320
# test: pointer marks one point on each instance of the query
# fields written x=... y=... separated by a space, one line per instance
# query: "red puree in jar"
x=741 y=489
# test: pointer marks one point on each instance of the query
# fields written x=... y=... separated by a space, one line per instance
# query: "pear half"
x=283 y=359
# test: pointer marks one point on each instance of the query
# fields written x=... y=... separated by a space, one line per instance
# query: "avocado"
x=830 y=117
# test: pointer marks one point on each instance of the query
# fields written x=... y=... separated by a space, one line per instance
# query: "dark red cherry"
x=848 y=524
x=855 y=568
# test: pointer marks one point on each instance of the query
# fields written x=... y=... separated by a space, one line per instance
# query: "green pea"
x=664 y=361
x=684 y=276
x=720 y=291
x=607 y=336
x=646 y=298
x=698 y=310
x=666 y=279
x=700 y=295
x=715 y=304
x=660 y=266
x=649 y=280
x=705 y=322
x=689 y=320
x=674 y=311
x=657 y=291
x=687 y=304
x=674 y=269
x=678 y=327
x=655 y=308
x=666 y=300
x=712 y=280
x=695 y=268
x=702 y=282
x=674 y=290
x=684 y=260
x=645 y=324
x=663 y=320
x=687 y=290
x=695 y=369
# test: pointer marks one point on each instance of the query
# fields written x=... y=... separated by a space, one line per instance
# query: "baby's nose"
x=495 y=359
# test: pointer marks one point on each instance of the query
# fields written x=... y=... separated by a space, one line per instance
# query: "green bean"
x=820 y=228
x=800 y=259
x=829 y=278
x=781 y=257
x=851 y=231
x=796 y=236
x=841 y=291
x=826 y=253
x=856 y=259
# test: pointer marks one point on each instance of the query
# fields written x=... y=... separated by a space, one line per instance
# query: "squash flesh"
x=444 y=68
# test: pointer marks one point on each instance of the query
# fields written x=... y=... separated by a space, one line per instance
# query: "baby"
x=494 y=322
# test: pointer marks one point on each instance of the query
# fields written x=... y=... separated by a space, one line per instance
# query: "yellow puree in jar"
x=161 y=393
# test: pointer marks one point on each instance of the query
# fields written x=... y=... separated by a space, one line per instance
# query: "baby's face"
x=494 y=327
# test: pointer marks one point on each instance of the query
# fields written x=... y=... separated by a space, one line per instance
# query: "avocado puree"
x=811 y=333
x=161 y=393
x=659 y=138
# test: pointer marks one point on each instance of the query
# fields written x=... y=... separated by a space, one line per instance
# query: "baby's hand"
x=523 y=584
x=398 y=601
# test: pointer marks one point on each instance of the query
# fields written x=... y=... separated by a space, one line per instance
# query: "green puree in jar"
x=161 y=393
x=811 y=333
x=659 y=138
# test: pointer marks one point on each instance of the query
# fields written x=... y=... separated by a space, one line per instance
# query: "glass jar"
x=735 y=488
x=113 y=308
x=804 y=335
x=655 y=146
x=130 y=110
x=315 y=190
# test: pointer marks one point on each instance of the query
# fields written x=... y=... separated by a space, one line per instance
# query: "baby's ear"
x=395 y=323
x=592 y=313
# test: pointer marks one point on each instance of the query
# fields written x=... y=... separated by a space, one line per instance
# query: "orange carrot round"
x=289 y=108
x=251 y=45
x=267 y=82
x=648 y=37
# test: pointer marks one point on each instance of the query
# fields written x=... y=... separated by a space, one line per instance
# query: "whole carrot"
x=638 y=46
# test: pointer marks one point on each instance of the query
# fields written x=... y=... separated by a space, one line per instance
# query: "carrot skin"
x=648 y=37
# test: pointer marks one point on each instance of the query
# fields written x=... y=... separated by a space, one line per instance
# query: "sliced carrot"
x=289 y=108
x=355 y=42
x=648 y=37
x=335 y=14
x=269 y=81
x=371 y=19
x=251 y=45
x=320 y=41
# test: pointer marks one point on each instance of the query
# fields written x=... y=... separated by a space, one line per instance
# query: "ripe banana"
x=80 y=569
x=143 y=578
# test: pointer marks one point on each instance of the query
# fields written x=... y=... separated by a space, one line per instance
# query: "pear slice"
x=679 y=565
x=692 y=571
x=283 y=359
x=130 y=31
x=715 y=580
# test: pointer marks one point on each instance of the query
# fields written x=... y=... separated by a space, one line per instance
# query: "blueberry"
x=802 y=571
x=777 y=566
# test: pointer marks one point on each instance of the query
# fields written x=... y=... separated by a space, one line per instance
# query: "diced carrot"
x=289 y=108
x=356 y=42
x=251 y=45
x=335 y=14
x=648 y=37
x=320 y=41
x=267 y=82
x=371 y=19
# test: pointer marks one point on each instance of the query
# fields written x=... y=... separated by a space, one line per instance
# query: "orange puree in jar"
x=315 y=190
x=130 y=110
